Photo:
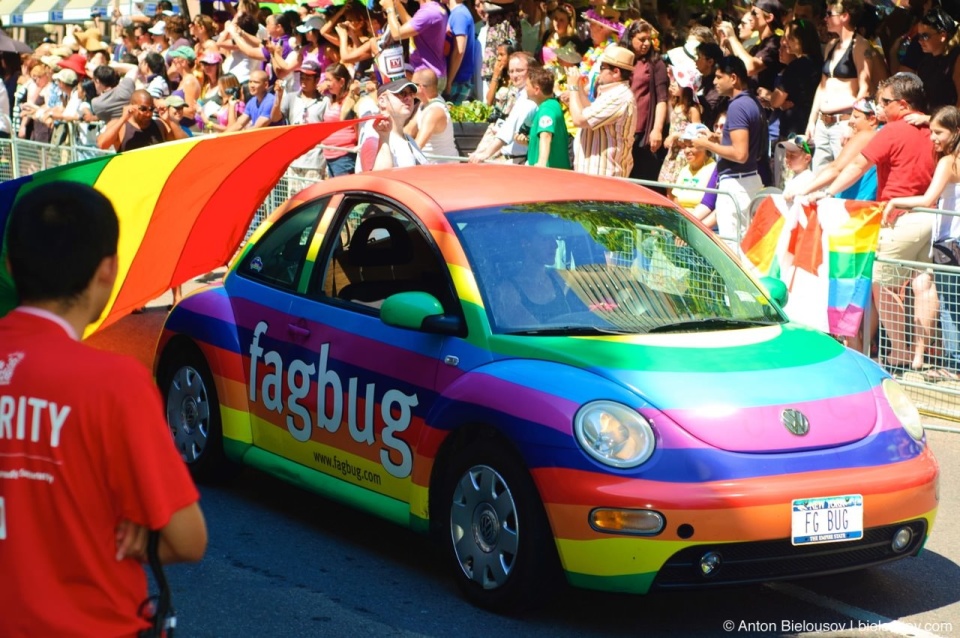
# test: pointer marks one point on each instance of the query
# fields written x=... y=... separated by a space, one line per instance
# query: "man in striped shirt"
x=607 y=125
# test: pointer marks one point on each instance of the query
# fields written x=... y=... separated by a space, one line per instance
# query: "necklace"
x=306 y=108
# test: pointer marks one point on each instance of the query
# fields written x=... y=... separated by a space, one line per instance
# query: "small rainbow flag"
x=184 y=206
x=824 y=253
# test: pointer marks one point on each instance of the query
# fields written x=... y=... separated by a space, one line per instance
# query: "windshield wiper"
x=571 y=331
x=710 y=323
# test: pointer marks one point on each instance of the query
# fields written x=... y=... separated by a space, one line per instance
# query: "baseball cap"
x=211 y=57
x=174 y=100
x=309 y=67
x=67 y=76
x=310 y=24
x=160 y=28
x=184 y=52
x=866 y=105
x=692 y=131
x=396 y=86
x=799 y=143
x=772 y=7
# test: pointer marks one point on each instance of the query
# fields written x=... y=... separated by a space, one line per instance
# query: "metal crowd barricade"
x=936 y=393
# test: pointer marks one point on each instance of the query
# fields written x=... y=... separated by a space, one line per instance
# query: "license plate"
x=829 y=519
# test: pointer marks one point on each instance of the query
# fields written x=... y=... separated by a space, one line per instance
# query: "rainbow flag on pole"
x=824 y=253
x=184 y=207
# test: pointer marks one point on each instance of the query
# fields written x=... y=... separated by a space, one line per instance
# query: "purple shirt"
x=430 y=23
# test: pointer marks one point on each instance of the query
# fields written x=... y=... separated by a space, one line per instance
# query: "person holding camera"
x=138 y=128
x=430 y=125
x=216 y=111
x=505 y=141
x=603 y=145
x=305 y=107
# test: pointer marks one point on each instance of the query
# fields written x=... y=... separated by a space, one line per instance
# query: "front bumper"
x=762 y=561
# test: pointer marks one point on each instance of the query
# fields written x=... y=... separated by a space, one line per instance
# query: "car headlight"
x=904 y=408
x=614 y=434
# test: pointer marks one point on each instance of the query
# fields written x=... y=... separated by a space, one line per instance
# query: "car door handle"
x=297 y=331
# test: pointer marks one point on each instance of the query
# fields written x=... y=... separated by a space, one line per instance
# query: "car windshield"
x=585 y=267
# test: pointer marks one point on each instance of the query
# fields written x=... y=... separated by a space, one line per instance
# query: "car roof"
x=460 y=186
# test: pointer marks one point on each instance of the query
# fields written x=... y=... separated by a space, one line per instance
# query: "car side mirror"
x=777 y=289
x=419 y=311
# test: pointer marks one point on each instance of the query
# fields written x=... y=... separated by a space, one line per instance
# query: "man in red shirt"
x=904 y=156
x=87 y=464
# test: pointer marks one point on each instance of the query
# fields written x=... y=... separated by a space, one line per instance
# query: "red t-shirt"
x=903 y=154
x=83 y=445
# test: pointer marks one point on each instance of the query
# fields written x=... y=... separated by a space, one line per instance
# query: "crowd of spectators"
x=822 y=98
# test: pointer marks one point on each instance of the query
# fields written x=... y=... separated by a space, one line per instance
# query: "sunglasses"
x=607 y=67
x=887 y=100
x=923 y=37
x=801 y=141
x=145 y=109
x=936 y=19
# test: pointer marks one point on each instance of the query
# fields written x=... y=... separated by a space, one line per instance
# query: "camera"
x=494 y=116
x=233 y=92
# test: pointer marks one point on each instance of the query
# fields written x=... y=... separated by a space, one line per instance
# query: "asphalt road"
x=283 y=562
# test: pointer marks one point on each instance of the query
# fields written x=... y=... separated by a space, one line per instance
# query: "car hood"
x=739 y=390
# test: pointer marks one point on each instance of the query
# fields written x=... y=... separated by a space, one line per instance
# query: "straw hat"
x=92 y=46
x=619 y=57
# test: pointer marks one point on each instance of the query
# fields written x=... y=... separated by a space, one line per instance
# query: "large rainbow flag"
x=824 y=252
x=184 y=207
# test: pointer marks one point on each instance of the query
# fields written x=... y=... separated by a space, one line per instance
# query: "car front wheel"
x=499 y=537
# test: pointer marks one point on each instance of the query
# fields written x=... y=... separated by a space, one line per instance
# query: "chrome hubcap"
x=188 y=413
x=484 y=527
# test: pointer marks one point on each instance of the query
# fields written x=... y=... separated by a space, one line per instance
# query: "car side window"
x=380 y=251
x=278 y=257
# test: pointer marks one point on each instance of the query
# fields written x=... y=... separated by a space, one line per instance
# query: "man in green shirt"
x=549 y=141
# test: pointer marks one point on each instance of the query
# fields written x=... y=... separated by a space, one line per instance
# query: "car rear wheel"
x=503 y=552
x=193 y=414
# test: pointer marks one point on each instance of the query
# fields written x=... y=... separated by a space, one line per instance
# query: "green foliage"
x=475 y=111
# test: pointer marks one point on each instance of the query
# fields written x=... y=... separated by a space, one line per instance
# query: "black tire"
x=193 y=414
x=498 y=540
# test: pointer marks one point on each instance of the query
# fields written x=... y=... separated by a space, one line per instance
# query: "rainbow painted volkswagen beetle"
x=554 y=373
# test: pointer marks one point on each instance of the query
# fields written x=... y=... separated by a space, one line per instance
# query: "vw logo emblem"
x=795 y=422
